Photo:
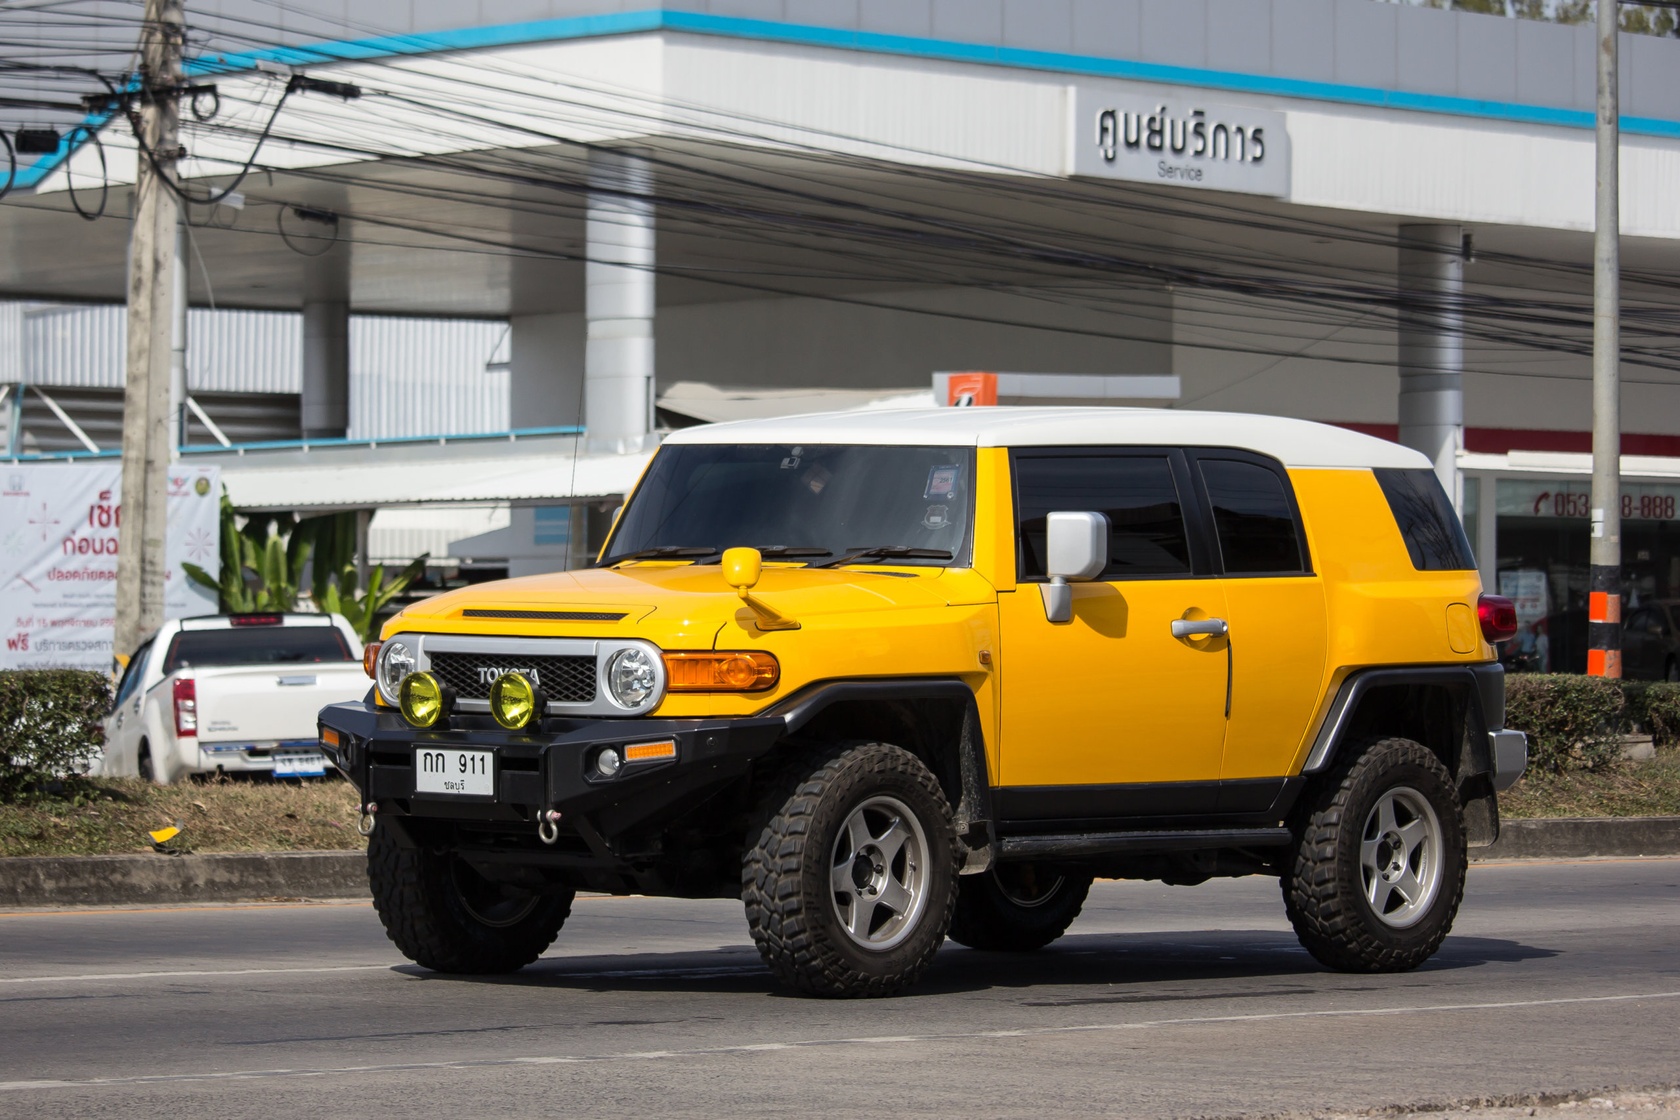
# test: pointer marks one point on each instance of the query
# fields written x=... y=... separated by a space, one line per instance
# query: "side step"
x=1113 y=843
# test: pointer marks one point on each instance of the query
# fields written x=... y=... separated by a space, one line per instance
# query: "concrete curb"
x=1584 y=837
x=158 y=879
x=249 y=876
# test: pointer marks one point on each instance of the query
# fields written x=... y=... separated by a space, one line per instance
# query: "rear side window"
x=1433 y=533
x=1146 y=535
x=257 y=645
x=1254 y=518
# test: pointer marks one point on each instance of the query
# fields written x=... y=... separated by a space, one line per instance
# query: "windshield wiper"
x=793 y=551
x=887 y=552
x=663 y=552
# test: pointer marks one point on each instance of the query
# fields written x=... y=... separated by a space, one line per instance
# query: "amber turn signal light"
x=721 y=671
x=370 y=658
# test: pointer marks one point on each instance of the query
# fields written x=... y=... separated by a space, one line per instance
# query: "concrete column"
x=178 y=347
x=619 y=303
x=326 y=368
x=1432 y=347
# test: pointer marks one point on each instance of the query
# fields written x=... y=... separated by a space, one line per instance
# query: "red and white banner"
x=58 y=558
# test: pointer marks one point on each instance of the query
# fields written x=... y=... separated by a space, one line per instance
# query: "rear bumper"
x=1509 y=751
x=548 y=770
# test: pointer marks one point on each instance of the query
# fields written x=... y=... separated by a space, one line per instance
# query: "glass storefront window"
x=1544 y=529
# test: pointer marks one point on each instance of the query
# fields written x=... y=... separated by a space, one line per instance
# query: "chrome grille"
x=566 y=680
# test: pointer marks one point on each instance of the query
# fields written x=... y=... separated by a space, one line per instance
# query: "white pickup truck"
x=231 y=694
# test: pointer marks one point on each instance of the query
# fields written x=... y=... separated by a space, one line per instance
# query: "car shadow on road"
x=1142 y=962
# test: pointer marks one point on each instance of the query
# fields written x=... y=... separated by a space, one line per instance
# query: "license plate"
x=455 y=773
x=310 y=765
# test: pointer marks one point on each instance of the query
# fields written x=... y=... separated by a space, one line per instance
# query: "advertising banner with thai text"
x=58 y=558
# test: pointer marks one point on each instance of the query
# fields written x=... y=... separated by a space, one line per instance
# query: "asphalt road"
x=1161 y=1001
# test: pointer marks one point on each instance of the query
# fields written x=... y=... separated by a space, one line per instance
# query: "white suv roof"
x=1296 y=443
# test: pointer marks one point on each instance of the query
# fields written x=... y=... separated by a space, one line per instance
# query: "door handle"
x=1200 y=628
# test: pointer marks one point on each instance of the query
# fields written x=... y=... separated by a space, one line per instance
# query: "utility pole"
x=1604 y=600
x=151 y=291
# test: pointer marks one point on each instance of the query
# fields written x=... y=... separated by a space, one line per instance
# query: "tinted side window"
x=1253 y=517
x=1146 y=520
x=1433 y=533
x=132 y=673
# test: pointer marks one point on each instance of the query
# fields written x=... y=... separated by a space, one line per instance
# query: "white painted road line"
x=871 y=1040
x=197 y=973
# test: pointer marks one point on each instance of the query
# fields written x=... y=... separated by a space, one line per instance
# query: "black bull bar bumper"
x=546 y=769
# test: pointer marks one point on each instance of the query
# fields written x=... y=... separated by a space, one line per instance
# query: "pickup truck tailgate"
x=256 y=704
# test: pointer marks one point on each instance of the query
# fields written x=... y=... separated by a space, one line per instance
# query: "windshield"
x=807 y=503
x=257 y=645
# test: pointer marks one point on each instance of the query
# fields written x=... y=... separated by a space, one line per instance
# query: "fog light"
x=424 y=699
x=607 y=763
x=515 y=701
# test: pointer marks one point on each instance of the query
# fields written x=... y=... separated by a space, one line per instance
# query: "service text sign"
x=1176 y=142
x=58 y=558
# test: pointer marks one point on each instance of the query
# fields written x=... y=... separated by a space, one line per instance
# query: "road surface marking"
x=802 y=1044
x=93 y=976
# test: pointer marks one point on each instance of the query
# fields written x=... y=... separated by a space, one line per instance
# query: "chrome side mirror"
x=1075 y=550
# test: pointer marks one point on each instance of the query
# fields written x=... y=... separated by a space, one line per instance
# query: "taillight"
x=370 y=657
x=1498 y=616
x=186 y=707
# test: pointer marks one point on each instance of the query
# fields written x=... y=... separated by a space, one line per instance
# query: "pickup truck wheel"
x=1380 y=859
x=1016 y=907
x=849 y=884
x=446 y=917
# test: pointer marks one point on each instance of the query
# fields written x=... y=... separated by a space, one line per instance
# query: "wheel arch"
x=1450 y=709
x=934 y=718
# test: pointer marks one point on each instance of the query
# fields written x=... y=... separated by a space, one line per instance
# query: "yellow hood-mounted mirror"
x=742 y=568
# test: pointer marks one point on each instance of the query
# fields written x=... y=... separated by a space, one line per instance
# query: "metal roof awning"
x=320 y=479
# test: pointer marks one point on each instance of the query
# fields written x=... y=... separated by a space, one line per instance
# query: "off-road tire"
x=990 y=916
x=785 y=877
x=418 y=894
x=1322 y=886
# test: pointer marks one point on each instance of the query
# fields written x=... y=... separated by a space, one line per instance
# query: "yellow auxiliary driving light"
x=424 y=699
x=515 y=701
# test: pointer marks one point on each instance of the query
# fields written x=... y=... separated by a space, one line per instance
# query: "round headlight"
x=631 y=677
x=423 y=699
x=515 y=701
x=396 y=661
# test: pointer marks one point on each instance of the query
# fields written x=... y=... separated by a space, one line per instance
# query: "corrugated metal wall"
x=425 y=377
x=407 y=376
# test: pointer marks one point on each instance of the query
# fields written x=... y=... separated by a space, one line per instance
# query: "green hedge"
x=1576 y=722
x=50 y=726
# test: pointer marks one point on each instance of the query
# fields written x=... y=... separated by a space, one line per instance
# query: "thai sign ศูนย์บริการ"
x=1147 y=138
x=58 y=558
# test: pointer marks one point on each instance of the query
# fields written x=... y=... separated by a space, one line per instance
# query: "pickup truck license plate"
x=300 y=764
x=455 y=773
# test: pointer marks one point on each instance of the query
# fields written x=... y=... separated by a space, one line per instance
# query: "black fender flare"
x=973 y=812
x=1482 y=682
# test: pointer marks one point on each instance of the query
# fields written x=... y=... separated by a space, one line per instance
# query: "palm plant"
x=263 y=563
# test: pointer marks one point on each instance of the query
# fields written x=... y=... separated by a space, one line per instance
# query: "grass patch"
x=1627 y=789
x=111 y=816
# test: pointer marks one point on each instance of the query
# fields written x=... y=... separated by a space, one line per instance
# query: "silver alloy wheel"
x=1024 y=887
x=878 y=873
x=1400 y=854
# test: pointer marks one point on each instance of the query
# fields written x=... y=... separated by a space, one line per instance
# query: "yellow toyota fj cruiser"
x=891 y=676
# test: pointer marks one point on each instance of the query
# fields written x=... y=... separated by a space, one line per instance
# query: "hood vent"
x=546 y=616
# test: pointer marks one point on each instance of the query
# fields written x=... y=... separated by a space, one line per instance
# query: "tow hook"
x=365 y=825
x=548 y=826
